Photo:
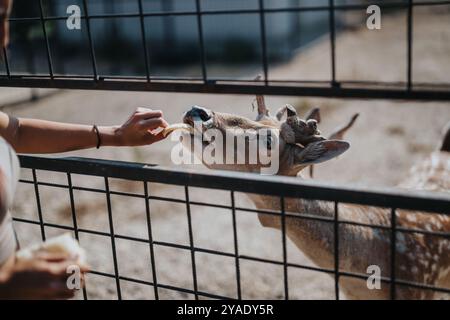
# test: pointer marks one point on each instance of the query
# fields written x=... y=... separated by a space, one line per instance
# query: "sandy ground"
x=388 y=138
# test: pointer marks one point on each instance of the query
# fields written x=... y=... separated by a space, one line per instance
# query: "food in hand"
x=177 y=126
x=64 y=244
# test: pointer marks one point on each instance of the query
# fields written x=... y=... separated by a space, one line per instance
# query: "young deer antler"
x=263 y=112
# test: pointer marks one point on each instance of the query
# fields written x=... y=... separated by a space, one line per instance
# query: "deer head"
x=299 y=142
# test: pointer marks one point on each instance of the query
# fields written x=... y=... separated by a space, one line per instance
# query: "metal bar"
x=246 y=182
x=249 y=210
x=146 y=241
x=128 y=85
x=113 y=241
x=38 y=203
x=163 y=286
x=150 y=238
x=336 y=249
x=173 y=288
x=72 y=206
x=185 y=247
x=236 y=247
x=262 y=21
x=244 y=257
x=91 y=43
x=47 y=44
x=74 y=218
x=399 y=282
x=5 y=57
x=309 y=217
x=393 y=252
x=284 y=249
x=191 y=241
x=231 y=80
x=352 y=7
x=144 y=40
x=332 y=42
x=410 y=42
x=201 y=40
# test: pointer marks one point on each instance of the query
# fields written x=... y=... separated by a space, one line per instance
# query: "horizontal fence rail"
x=405 y=90
x=243 y=182
x=282 y=187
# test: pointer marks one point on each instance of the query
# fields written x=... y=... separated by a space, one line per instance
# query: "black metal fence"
x=281 y=187
x=407 y=89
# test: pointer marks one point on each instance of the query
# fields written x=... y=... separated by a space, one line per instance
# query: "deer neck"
x=314 y=238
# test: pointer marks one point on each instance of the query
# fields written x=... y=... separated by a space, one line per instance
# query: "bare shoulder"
x=8 y=126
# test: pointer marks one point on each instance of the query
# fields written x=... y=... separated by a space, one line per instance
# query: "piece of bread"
x=177 y=126
x=64 y=244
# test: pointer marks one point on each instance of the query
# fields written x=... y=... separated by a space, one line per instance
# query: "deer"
x=419 y=257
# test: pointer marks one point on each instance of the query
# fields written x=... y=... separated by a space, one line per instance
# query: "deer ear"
x=320 y=151
x=286 y=109
x=338 y=134
x=314 y=114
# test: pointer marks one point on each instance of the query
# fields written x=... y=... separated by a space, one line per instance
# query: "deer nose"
x=198 y=113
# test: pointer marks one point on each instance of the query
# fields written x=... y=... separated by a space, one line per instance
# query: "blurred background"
x=173 y=41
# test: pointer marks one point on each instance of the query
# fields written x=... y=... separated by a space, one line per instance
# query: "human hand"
x=42 y=277
x=139 y=129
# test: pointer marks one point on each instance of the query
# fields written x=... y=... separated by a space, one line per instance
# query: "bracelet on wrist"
x=97 y=132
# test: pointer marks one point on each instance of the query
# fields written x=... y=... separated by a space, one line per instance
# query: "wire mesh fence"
x=198 y=12
x=282 y=188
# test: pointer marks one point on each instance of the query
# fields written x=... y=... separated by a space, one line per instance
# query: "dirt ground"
x=388 y=138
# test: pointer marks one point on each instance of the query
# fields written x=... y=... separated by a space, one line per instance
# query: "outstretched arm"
x=40 y=136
